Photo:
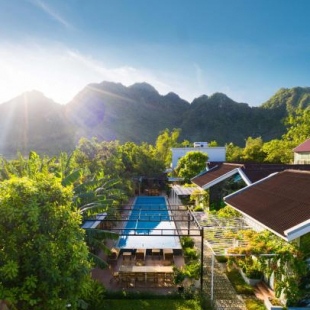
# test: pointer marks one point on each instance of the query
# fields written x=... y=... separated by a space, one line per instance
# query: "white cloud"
x=51 y=12
x=60 y=73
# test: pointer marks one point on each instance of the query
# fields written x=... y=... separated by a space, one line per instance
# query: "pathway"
x=224 y=295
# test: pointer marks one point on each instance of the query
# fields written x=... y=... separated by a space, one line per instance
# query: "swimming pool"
x=148 y=216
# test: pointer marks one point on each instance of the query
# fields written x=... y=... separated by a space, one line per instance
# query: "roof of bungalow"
x=280 y=203
x=249 y=172
x=303 y=147
x=217 y=173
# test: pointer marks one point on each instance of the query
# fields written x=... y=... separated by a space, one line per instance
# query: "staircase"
x=262 y=291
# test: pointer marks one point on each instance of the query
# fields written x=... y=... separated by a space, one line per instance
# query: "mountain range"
x=138 y=113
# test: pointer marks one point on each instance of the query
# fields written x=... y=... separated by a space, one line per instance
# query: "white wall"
x=214 y=153
x=302 y=158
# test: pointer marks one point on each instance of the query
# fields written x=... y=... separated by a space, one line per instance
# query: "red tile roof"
x=303 y=147
x=279 y=202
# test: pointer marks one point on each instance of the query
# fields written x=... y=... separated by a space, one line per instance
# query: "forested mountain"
x=138 y=113
x=34 y=122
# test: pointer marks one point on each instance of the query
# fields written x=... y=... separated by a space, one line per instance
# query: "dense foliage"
x=191 y=165
x=267 y=253
x=43 y=256
x=42 y=203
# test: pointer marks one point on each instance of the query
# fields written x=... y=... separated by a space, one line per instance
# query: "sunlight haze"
x=245 y=49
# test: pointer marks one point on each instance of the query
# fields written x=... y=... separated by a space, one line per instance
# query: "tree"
x=298 y=130
x=278 y=151
x=253 y=150
x=43 y=257
x=233 y=153
x=191 y=165
x=164 y=142
x=298 y=126
x=213 y=143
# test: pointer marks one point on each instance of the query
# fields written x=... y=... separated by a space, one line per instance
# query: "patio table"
x=145 y=270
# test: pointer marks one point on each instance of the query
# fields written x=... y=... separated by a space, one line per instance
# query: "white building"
x=215 y=154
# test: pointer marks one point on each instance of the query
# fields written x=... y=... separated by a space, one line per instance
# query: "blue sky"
x=247 y=49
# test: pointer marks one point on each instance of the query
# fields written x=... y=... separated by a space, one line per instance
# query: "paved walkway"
x=221 y=290
x=224 y=295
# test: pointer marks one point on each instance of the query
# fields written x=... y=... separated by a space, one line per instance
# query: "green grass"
x=238 y=283
x=254 y=304
x=150 y=304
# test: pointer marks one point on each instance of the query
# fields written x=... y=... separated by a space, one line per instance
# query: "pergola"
x=185 y=222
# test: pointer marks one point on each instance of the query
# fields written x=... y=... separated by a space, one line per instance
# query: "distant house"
x=279 y=203
x=215 y=154
x=302 y=153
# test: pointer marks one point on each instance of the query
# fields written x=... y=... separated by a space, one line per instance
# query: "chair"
x=128 y=279
x=161 y=277
x=168 y=255
x=140 y=277
x=140 y=254
x=151 y=278
x=155 y=253
x=169 y=278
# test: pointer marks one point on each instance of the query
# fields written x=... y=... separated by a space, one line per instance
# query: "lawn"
x=151 y=304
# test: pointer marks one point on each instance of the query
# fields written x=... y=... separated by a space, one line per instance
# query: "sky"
x=246 y=49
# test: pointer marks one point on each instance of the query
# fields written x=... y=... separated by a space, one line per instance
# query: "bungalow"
x=302 y=153
x=237 y=176
x=279 y=203
x=217 y=153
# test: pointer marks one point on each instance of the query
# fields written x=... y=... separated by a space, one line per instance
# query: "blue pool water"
x=149 y=214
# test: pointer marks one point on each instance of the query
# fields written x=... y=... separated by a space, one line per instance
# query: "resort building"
x=302 y=153
x=215 y=154
x=222 y=179
x=279 y=203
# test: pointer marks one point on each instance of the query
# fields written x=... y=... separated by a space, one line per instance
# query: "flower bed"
x=250 y=281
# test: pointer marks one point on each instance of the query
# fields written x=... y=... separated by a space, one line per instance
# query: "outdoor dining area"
x=143 y=267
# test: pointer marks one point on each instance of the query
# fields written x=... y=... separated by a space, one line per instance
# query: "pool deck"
x=112 y=283
x=106 y=276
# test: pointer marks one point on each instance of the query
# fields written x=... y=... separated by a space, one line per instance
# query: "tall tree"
x=278 y=151
x=298 y=126
x=43 y=257
x=233 y=153
x=164 y=142
x=253 y=150
x=191 y=165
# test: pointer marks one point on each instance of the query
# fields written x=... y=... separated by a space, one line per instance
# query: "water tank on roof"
x=200 y=144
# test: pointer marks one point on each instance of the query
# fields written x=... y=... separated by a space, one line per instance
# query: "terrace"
x=140 y=268
x=152 y=262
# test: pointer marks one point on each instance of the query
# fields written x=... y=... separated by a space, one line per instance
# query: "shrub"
x=198 y=209
x=190 y=253
x=238 y=283
x=187 y=242
x=221 y=259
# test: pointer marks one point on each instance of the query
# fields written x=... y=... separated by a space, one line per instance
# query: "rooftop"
x=303 y=147
x=251 y=172
x=280 y=202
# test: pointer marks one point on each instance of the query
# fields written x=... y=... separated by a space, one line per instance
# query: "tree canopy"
x=191 y=164
x=43 y=256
